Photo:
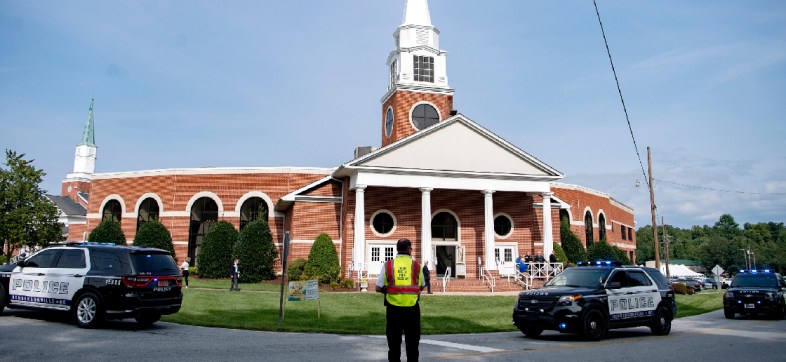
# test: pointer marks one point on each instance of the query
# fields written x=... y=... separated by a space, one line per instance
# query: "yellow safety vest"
x=402 y=287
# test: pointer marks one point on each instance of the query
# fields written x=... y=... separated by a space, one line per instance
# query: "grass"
x=210 y=303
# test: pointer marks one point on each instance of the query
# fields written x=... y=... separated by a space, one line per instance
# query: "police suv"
x=592 y=298
x=94 y=282
x=756 y=292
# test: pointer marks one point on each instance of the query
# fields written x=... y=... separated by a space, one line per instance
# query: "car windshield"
x=580 y=278
x=153 y=263
x=753 y=280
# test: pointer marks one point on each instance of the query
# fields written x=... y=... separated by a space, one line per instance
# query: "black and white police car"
x=592 y=298
x=756 y=292
x=94 y=282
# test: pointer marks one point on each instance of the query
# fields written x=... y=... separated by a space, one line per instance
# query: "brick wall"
x=402 y=103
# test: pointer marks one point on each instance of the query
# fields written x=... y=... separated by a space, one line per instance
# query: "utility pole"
x=665 y=246
x=652 y=210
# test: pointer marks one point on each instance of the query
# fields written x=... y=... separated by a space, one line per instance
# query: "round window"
x=424 y=115
x=502 y=225
x=383 y=223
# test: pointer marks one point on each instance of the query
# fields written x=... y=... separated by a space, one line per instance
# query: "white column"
x=359 y=248
x=488 y=208
x=548 y=240
x=425 y=225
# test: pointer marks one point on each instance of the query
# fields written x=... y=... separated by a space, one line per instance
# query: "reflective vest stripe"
x=402 y=295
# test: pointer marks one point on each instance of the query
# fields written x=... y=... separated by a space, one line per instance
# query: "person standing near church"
x=234 y=272
x=184 y=270
x=427 y=277
x=401 y=281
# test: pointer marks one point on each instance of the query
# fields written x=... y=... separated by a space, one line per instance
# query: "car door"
x=642 y=296
x=67 y=277
x=28 y=285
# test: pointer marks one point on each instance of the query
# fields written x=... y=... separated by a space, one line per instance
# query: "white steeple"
x=416 y=13
x=417 y=63
x=85 y=155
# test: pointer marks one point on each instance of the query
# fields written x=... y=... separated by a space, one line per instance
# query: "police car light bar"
x=599 y=263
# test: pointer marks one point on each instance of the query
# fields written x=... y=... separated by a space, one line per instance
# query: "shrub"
x=601 y=250
x=680 y=288
x=154 y=235
x=322 y=261
x=571 y=244
x=256 y=252
x=296 y=268
x=347 y=283
x=215 y=253
x=334 y=285
x=560 y=254
x=109 y=232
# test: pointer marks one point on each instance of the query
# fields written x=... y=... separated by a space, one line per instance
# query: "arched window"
x=601 y=227
x=204 y=213
x=588 y=228
x=444 y=227
x=424 y=115
x=564 y=217
x=148 y=211
x=255 y=208
x=112 y=211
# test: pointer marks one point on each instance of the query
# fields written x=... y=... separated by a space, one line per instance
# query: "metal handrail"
x=488 y=278
x=445 y=279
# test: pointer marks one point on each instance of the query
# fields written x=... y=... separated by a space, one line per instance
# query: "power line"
x=619 y=90
x=720 y=190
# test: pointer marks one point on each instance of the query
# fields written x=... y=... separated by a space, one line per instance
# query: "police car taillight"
x=137 y=281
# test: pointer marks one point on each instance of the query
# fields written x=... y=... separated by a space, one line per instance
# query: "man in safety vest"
x=401 y=280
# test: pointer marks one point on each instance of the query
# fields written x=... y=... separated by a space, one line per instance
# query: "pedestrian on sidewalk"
x=234 y=272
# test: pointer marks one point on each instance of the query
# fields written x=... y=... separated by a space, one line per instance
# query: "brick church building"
x=467 y=198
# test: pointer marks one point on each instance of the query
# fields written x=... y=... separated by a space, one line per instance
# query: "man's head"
x=404 y=246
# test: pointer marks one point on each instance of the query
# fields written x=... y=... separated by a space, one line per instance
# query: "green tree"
x=27 y=217
x=726 y=227
x=571 y=244
x=154 y=235
x=601 y=250
x=256 y=252
x=645 y=247
x=215 y=254
x=323 y=260
x=296 y=269
x=560 y=254
x=108 y=232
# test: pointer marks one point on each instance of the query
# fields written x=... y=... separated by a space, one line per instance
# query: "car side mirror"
x=21 y=263
x=615 y=285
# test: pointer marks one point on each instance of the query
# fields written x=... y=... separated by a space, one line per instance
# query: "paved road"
x=33 y=336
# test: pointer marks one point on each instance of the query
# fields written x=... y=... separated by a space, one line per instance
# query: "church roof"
x=67 y=205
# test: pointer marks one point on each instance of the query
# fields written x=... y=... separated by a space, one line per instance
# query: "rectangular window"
x=375 y=253
x=630 y=234
x=388 y=253
x=508 y=255
x=424 y=68
x=622 y=231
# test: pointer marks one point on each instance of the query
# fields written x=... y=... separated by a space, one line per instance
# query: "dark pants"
x=405 y=319
x=428 y=285
x=234 y=283
x=185 y=276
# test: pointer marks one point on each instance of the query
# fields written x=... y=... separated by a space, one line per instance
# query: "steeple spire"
x=88 y=134
x=416 y=13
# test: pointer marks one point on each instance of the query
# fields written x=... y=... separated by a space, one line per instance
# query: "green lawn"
x=256 y=306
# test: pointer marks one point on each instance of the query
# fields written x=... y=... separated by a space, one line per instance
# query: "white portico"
x=455 y=154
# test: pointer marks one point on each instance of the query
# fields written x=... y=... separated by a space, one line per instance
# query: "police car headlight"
x=568 y=300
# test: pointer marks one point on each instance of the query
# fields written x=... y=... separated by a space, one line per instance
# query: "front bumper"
x=751 y=306
x=562 y=319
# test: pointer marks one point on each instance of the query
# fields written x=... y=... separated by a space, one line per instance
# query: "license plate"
x=749 y=306
x=163 y=283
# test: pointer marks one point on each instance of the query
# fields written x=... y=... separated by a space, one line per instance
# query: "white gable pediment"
x=457 y=145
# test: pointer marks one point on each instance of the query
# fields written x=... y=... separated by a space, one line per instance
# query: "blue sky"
x=298 y=83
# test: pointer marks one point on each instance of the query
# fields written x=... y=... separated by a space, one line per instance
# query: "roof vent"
x=364 y=150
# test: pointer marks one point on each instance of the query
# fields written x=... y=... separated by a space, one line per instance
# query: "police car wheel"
x=728 y=314
x=531 y=332
x=88 y=311
x=594 y=325
x=661 y=326
x=147 y=319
